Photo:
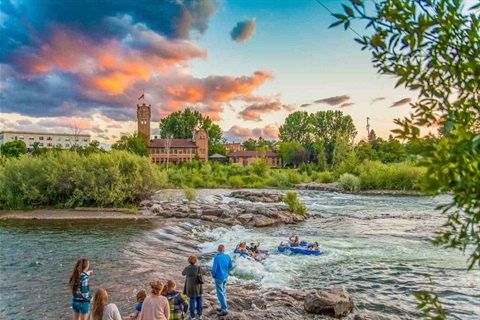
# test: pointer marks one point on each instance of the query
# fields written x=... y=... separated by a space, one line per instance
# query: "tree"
x=321 y=127
x=433 y=48
x=260 y=145
x=14 y=148
x=37 y=150
x=297 y=127
x=182 y=124
x=135 y=144
x=288 y=150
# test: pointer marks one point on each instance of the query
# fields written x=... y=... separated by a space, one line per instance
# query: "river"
x=377 y=247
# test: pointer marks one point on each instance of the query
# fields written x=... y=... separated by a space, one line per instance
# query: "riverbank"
x=334 y=187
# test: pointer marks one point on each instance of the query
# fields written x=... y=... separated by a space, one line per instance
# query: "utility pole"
x=368 y=130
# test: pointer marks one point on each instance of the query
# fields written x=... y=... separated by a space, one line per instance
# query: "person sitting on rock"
x=314 y=247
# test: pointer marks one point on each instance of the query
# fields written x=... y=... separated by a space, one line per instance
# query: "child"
x=141 y=295
x=79 y=284
x=178 y=302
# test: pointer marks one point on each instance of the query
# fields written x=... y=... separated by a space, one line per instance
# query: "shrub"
x=260 y=167
x=235 y=181
x=291 y=200
x=67 y=179
x=393 y=176
x=323 y=177
x=349 y=182
x=190 y=193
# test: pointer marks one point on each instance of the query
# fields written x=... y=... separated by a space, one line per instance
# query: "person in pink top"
x=155 y=306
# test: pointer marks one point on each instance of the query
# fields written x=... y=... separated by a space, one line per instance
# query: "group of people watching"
x=163 y=303
x=294 y=241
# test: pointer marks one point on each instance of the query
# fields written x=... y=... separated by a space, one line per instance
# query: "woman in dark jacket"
x=193 y=288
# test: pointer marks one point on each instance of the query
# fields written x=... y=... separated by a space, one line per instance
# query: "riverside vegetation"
x=119 y=178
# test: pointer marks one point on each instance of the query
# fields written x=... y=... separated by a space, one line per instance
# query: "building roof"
x=256 y=154
x=48 y=133
x=217 y=156
x=175 y=143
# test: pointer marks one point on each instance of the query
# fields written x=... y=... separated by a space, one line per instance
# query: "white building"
x=46 y=140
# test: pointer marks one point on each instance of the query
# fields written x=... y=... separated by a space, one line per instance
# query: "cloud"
x=237 y=133
x=243 y=30
x=401 y=102
x=24 y=122
x=115 y=126
x=25 y=24
x=346 y=104
x=263 y=105
x=305 y=105
x=333 y=101
x=378 y=99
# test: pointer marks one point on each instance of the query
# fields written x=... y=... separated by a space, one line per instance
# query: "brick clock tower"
x=201 y=140
x=143 y=116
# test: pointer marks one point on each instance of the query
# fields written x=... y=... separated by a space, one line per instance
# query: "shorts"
x=81 y=307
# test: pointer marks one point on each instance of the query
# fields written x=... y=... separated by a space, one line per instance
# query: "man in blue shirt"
x=221 y=265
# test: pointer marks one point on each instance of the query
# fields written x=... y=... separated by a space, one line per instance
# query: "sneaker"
x=218 y=309
x=222 y=314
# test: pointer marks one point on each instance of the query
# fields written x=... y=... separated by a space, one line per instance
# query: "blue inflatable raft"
x=303 y=248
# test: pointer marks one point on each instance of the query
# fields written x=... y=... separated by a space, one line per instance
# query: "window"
x=59 y=145
x=21 y=138
x=67 y=139
x=40 y=138
x=49 y=145
x=31 y=138
x=76 y=140
x=49 y=138
x=40 y=144
x=85 y=139
x=67 y=145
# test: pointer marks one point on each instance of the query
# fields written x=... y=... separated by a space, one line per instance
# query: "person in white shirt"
x=102 y=310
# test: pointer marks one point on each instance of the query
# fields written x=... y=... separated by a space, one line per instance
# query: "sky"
x=246 y=64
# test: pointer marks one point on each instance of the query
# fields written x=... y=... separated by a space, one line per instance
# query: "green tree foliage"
x=37 y=150
x=136 y=144
x=68 y=179
x=297 y=127
x=311 y=130
x=260 y=145
x=14 y=148
x=182 y=124
x=433 y=47
x=288 y=150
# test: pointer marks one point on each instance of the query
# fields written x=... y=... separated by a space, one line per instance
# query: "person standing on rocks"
x=222 y=263
x=193 y=287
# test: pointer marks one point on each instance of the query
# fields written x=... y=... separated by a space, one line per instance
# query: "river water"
x=377 y=247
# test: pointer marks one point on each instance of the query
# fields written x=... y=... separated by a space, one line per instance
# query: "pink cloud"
x=237 y=133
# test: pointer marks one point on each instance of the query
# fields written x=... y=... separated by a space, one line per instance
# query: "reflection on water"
x=376 y=247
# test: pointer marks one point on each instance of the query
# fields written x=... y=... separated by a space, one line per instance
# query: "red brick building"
x=232 y=147
x=172 y=150
x=245 y=158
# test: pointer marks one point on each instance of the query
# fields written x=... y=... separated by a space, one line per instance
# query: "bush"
x=235 y=181
x=260 y=167
x=67 y=179
x=349 y=182
x=393 y=176
x=323 y=177
x=291 y=200
x=190 y=193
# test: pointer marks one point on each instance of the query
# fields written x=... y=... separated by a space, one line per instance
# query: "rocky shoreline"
x=264 y=212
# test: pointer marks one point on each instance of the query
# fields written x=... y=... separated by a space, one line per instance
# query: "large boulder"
x=336 y=302
x=262 y=221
